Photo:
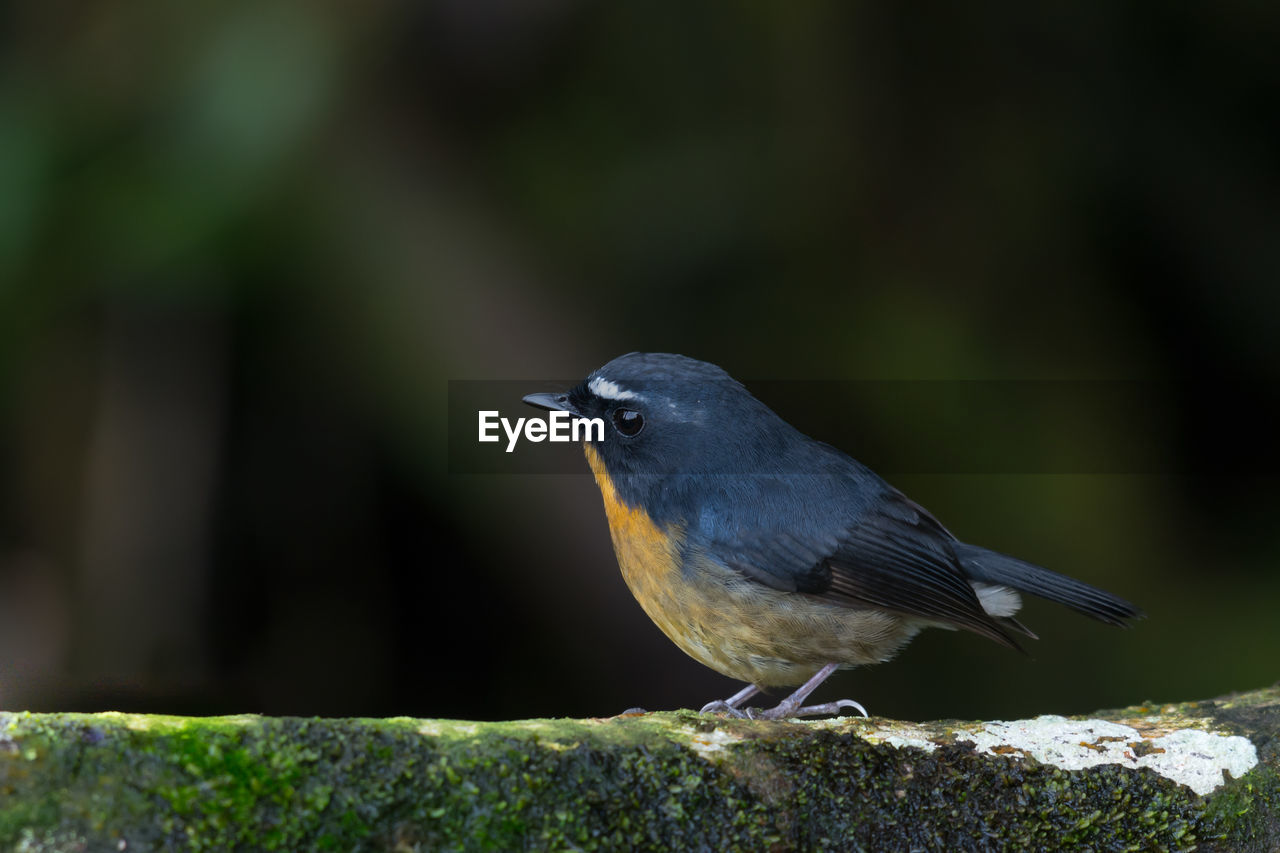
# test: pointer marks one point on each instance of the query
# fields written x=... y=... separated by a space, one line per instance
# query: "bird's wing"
x=892 y=554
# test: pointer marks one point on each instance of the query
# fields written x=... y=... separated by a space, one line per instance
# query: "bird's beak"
x=553 y=402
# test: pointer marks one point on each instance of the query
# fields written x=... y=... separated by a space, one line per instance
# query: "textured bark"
x=126 y=782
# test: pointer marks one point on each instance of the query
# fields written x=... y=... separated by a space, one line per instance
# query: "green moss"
x=217 y=783
x=1244 y=815
x=954 y=799
x=284 y=784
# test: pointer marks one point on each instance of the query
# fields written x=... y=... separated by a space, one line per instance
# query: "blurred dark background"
x=245 y=247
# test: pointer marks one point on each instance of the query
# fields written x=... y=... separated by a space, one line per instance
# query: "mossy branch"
x=1202 y=775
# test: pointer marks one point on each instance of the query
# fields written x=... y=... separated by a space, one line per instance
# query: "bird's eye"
x=628 y=422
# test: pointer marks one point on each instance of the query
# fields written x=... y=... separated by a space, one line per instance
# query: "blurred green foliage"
x=243 y=247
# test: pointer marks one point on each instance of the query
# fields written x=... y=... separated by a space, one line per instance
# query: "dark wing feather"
x=900 y=558
x=892 y=554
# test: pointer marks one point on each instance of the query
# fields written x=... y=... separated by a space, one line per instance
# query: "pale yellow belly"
x=734 y=625
x=750 y=632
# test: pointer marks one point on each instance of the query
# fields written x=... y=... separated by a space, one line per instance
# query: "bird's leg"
x=793 y=705
x=730 y=706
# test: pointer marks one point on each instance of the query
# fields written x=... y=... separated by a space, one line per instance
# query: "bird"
x=774 y=558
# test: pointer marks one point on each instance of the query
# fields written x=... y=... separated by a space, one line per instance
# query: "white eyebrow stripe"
x=607 y=390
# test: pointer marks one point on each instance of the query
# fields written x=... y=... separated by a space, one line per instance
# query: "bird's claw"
x=849 y=703
x=792 y=706
x=787 y=711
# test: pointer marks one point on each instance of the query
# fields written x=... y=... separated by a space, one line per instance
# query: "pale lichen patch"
x=902 y=735
x=919 y=743
x=708 y=743
x=1191 y=757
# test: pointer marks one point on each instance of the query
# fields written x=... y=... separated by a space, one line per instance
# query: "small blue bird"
x=773 y=558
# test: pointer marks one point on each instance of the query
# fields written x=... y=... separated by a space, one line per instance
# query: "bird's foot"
x=793 y=705
x=785 y=710
x=722 y=706
x=729 y=706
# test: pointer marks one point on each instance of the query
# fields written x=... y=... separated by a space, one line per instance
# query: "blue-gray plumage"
x=775 y=558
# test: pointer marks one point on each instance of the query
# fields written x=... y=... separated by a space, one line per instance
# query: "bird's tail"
x=996 y=568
